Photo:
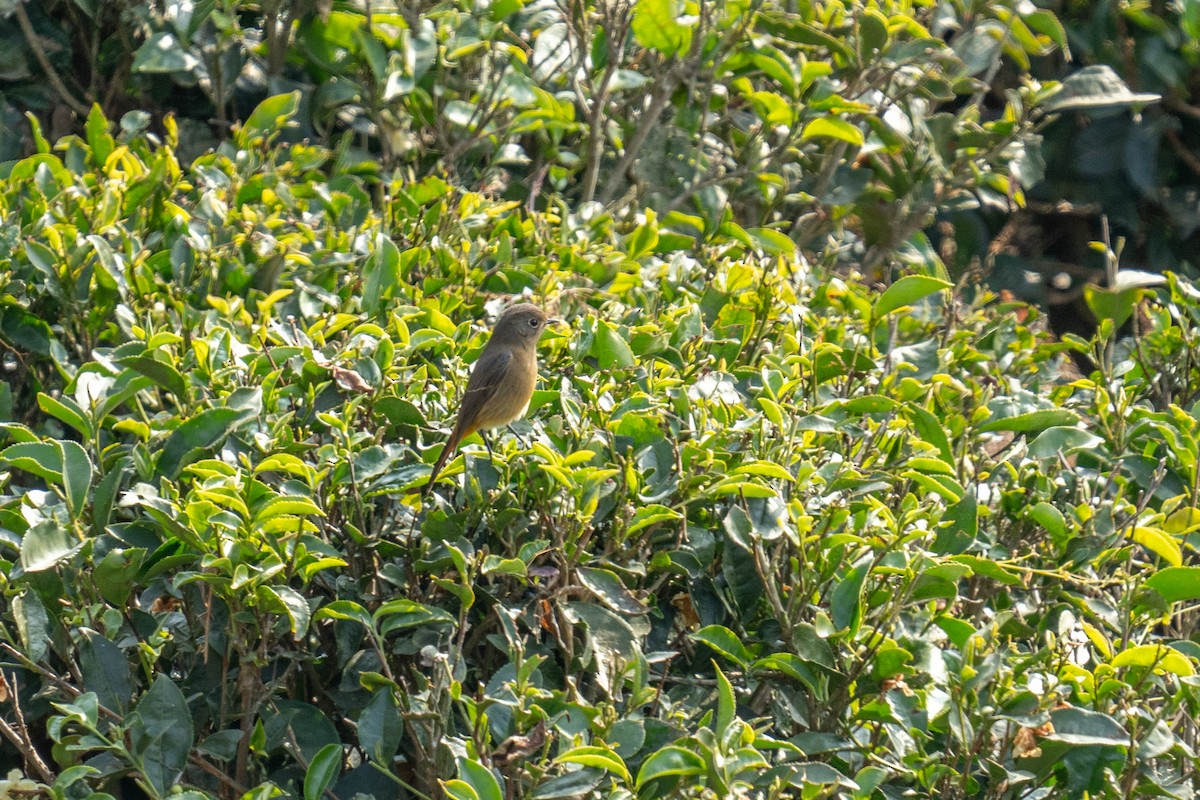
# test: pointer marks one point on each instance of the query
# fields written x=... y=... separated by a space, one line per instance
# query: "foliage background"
x=770 y=530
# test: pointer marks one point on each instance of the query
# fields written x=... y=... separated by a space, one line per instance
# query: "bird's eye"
x=533 y=322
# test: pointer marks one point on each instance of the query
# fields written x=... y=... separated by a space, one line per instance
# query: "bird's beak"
x=556 y=321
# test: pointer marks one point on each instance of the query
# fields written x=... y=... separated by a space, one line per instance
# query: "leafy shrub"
x=765 y=532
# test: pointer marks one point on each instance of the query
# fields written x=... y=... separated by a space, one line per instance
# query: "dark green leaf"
x=105 y=671
x=158 y=371
x=196 y=437
x=114 y=575
x=160 y=733
x=380 y=727
x=610 y=590
x=33 y=624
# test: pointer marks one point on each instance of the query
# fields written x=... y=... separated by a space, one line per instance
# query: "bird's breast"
x=512 y=395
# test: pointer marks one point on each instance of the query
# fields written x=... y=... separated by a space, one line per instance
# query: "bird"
x=502 y=379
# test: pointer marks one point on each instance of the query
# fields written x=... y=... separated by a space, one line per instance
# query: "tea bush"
x=765 y=531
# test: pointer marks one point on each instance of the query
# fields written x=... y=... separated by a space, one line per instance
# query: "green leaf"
x=772 y=242
x=574 y=784
x=643 y=239
x=287 y=505
x=1113 y=304
x=988 y=568
x=610 y=348
x=345 y=610
x=932 y=431
x=1052 y=442
x=872 y=33
x=43 y=459
x=846 y=599
x=98 y=137
x=269 y=117
x=671 y=761
x=77 y=476
x=907 y=291
x=380 y=727
x=1051 y=519
x=960 y=525
x=293 y=605
x=323 y=771
x=1078 y=726
x=481 y=779
x=46 y=544
x=1159 y=542
x=773 y=109
x=459 y=790
x=649 y=515
x=1157 y=656
x=725 y=642
x=160 y=731
x=814 y=773
x=158 y=371
x=105 y=495
x=660 y=25
x=726 y=703
x=396 y=614
x=833 y=128
x=162 y=52
x=196 y=437
x=1031 y=421
x=114 y=575
x=381 y=274
x=68 y=412
x=600 y=757
x=610 y=590
x=804 y=33
x=1176 y=584
x=1096 y=86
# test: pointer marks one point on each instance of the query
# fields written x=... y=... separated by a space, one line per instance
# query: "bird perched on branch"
x=502 y=380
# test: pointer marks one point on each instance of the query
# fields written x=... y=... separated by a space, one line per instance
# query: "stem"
x=35 y=44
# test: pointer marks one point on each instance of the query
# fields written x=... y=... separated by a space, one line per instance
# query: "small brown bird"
x=502 y=380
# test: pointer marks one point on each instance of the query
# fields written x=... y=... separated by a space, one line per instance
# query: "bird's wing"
x=486 y=377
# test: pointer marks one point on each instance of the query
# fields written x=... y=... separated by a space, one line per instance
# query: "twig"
x=22 y=739
x=35 y=44
x=649 y=121
x=1181 y=150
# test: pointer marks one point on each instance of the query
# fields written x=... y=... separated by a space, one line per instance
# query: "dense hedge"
x=766 y=532
x=799 y=509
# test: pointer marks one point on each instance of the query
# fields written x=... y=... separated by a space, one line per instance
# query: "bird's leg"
x=513 y=431
x=488 y=445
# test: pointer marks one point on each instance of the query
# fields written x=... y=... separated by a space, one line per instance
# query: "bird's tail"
x=456 y=436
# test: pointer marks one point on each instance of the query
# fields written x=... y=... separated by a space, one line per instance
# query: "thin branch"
x=35 y=44
x=1185 y=155
x=22 y=739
